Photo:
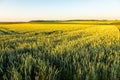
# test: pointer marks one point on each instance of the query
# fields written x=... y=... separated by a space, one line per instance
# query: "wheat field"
x=60 y=51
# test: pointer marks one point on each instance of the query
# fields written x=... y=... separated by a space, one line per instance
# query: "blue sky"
x=25 y=10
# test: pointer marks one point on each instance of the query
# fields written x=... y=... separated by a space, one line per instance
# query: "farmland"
x=73 y=50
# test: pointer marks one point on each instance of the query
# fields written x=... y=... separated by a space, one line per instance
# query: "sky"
x=26 y=10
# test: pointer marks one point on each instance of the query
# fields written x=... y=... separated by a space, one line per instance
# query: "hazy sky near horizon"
x=25 y=10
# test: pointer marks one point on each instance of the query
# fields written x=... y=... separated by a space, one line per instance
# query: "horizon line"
x=45 y=20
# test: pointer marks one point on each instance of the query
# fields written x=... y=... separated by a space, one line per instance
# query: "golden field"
x=74 y=50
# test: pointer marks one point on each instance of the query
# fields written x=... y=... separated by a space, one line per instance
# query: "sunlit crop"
x=39 y=51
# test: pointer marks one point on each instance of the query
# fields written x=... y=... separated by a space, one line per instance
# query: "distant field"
x=118 y=26
x=73 y=50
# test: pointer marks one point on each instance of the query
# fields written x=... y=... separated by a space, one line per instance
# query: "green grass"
x=39 y=51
